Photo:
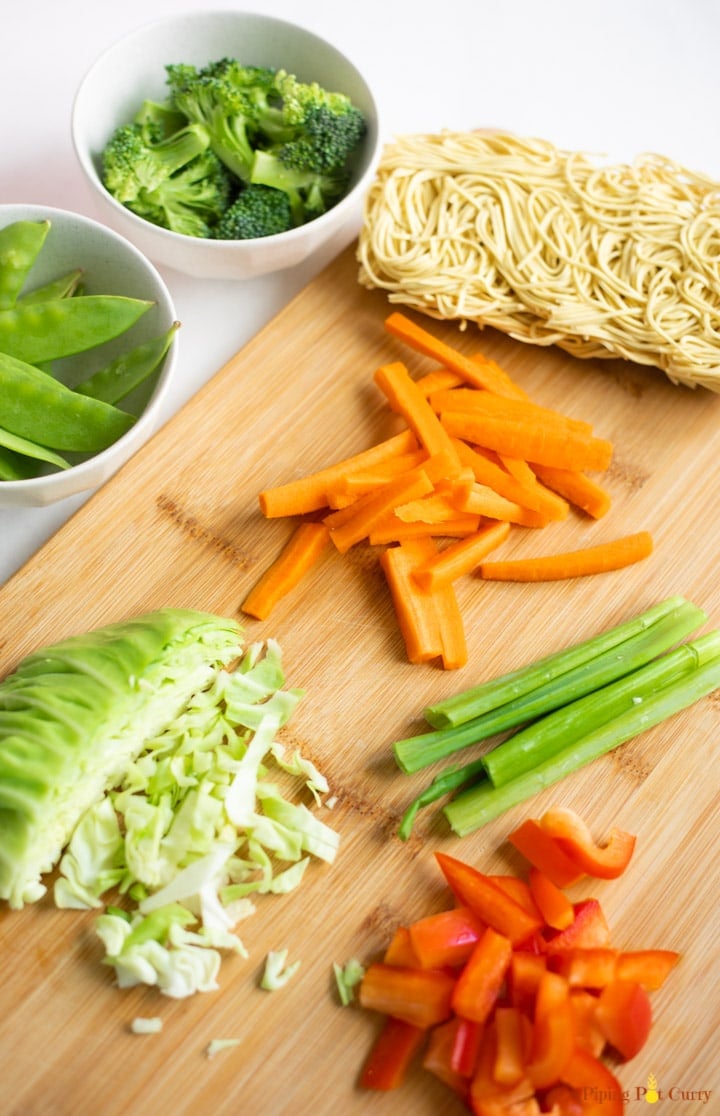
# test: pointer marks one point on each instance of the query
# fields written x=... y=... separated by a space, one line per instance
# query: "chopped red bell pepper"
x=624 y=1015
x=489 y=1097
x=589 y=929
x=400 y=951
x=391 y=1055
x=573 y=836
x=447 y=938
x=418 y=996
x=553 y=1038
x=552 y=903
x=523 y=979
x=587 y=968
x=518 y=890
x=648 y=967
x=597 y=1086
x=491 y=904
x=588 y=1035
x=561 y=1100
x=468 y=1039
x=438 y=1056
x=542 y=850
x=514 y=1032
x=482 y=977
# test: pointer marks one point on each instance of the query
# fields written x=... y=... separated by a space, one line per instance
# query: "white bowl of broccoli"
x=227 y=144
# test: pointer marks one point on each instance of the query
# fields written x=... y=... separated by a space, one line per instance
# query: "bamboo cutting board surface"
x=180 y=526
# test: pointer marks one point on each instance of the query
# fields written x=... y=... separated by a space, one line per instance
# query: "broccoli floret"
x=192 y=200
x=257 y=211
x=133 y=165
x=159 y=121
x=309 y=192
x=327 y=126
x=234 y=103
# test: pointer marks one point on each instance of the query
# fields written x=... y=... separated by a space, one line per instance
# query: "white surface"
x=615 y=76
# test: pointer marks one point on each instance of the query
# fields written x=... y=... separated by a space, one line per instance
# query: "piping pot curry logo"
x=653 y=1092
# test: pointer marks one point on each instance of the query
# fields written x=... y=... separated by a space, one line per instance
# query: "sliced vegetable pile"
x=141 y=759
x=235 y=152
x=42 y=419
x=514 y=994
x=475 y=457
x=568 y=709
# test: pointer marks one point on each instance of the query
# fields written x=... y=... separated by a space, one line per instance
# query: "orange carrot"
x=461 y=557
x=430 y=623
x=439 y=380
x=577 y=488
x=391 y=529
x=309 y=493
x=348 y=488
x=488 y=472
x=403 y=395
x=481 y=373
x=564 y=447
x=613 y=555
x=433 y=508
x=485 y=402
x=484 y=501
x=349 y=525
x=300 y=554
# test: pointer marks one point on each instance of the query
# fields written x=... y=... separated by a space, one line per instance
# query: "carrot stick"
x=300 y=554
x=433 y=508
x=484 y=501
x=485 y=402
x=580 y=490
x=349 y=525
x=564 y=448
x=349 y=488
x=430 y=622
x=613 y=555
x=391 y=529
x=481 y=373
x=439 y=380
x=461 y=557
x=487 y=472
x=403 y=395
x=309 y=493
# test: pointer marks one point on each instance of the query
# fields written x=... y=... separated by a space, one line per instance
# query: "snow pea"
x=20 y=244
x=15 y=467
x=28 y=448
x=117 y=379
x=65 y=286
x=34 y=405
x=61 y=327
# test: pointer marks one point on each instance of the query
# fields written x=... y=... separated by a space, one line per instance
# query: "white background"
x=616 y=78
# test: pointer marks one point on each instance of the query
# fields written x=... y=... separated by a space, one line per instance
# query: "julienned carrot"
x=403 y=395
x=309 y=493
x=348 y=488
x=349 y=526
x=565 y=448
x=484 y=501
x=438 y=380
x=461 y=557
x=577 y=488
x=391 y=529
x=430 y=623
x=534 y=497
x=481 y=373
x=433 y=508
x=300 y=554
x=469 y=399
x=612 y=555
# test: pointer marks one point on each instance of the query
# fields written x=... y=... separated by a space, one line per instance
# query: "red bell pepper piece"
x=480 y=981
x=419 y=996
x=573 y=836
x=595 y=1084
x=491 y=904
x=648 y=967
x=438 y=1056
x=489 y=1097
x=588 y=930
x=561 y=1100
x=553 y=1038
x=624 y=1015
x=587 y=968
x=542 y=850
x=514 y=1032
x=523 y=979
x=468 y=1039
x=400 y=951
x=518 y=890
x=588 y=1035
x=447 y=938
x=553 y=904
x=391 y=1055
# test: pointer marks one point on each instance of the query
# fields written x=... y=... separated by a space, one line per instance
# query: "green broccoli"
x=310 y=193
x=132 y=164
x=257 y=211
x=192 y=200
x=327 y=126
x=234 y=103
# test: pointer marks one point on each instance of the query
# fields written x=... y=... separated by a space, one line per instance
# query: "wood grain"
x=180 y=525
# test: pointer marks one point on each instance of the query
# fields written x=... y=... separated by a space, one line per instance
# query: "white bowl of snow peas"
x=88 y=344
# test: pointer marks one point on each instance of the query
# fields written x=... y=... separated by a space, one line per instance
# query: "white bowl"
x=134 y=69
x=111 y=265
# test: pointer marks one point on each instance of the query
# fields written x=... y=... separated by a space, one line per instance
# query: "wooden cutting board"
x=180 y=526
